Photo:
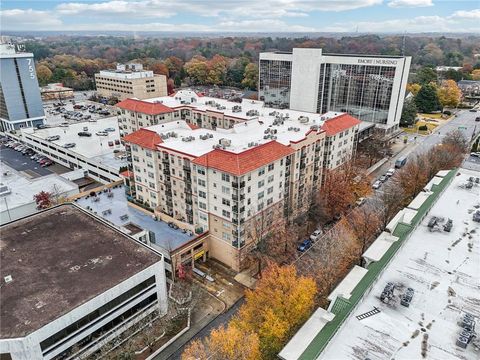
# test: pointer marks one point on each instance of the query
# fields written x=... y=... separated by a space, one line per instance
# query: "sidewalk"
x=200 y=318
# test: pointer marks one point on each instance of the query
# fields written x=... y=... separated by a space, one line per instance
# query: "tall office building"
x=20 y=101
x=371 y=88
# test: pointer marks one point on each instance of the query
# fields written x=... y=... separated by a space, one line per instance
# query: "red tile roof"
x=144 y=107
x=338 y=124
x=144 y=138
x=246 y=161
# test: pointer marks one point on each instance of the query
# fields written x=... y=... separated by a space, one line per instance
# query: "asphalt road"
x=465 y=122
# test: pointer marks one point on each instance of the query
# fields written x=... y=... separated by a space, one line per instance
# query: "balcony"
x=187 y=168
x=288 y=161
x=236 y=185
x=165 y=160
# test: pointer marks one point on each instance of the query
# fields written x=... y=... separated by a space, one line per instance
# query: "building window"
x=261 y=172
x=226 y=213
x=270 y=201
x=270 y=167
x=226 y=236
x=202 y=194
x=270 y=190
x=270 y=178
x=261 y=195
x=260 y=207
x=202 y=182
x=261 y=183
x=225 y=190
x=202 y=205
x=225 y=177
x=201 y=171
x=225 y=202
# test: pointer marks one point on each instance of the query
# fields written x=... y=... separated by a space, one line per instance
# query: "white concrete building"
x=102 y=156
x=71 y=283
x=371 y=88
x=17 y=191
x=130 y=80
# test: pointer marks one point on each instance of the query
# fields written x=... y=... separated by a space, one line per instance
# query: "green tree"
x=250 y=76
x=409 y=113
x=425 y=75
x=427 y=99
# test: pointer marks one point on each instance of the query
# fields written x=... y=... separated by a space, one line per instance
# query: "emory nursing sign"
x=374 y=61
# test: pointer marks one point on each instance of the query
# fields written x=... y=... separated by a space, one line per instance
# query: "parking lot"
x=24 y=164
x=71 y=111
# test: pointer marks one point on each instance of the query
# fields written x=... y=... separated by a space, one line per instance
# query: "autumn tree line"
x=292 y=286
x=225 y=60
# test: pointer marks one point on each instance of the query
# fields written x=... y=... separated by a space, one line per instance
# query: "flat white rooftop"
x=306 y=334
x=19 y=190
x=234 y=109
x=444 y=270
x=122 y=214
x=96 y=148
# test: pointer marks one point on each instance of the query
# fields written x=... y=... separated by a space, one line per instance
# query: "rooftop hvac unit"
x=265 y=137
x=291 y=128
x=273 y=137
x=225 y=142
x=210 y=136
x=4 y=190
x=314 y=127
x=266 y=131
x=303 y=119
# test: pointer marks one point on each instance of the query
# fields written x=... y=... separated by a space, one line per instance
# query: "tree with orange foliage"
x=281 y=301
x=449 y=94
x=225 y=344
x=196 y=350
x=159 y=68
x=365 y=223
x=413 y=177
x=340 y=189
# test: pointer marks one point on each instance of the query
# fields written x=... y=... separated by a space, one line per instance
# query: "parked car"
x=360 y=201
x=84 y=133
x=35 y=156
x=46 y=163
x=101 y=133
x=110 y=143
x=304 y=245
x=53 y=138
x=473 y=110
x=69 y=145
x=64 y=124
x=477 y=118
x=383 y=178
x=390 y=172
x=475 y=154
x=43 y=160
x=41 y=126
x=20 y=147
x=109 y=129
x=376 y=185
x=317 y=234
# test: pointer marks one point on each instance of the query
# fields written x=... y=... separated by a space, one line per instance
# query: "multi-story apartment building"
x=371 y=88
x=237 y=183
x=20 y=101
x=130 y=81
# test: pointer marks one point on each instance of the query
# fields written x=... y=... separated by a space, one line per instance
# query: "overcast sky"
x=244 y=15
